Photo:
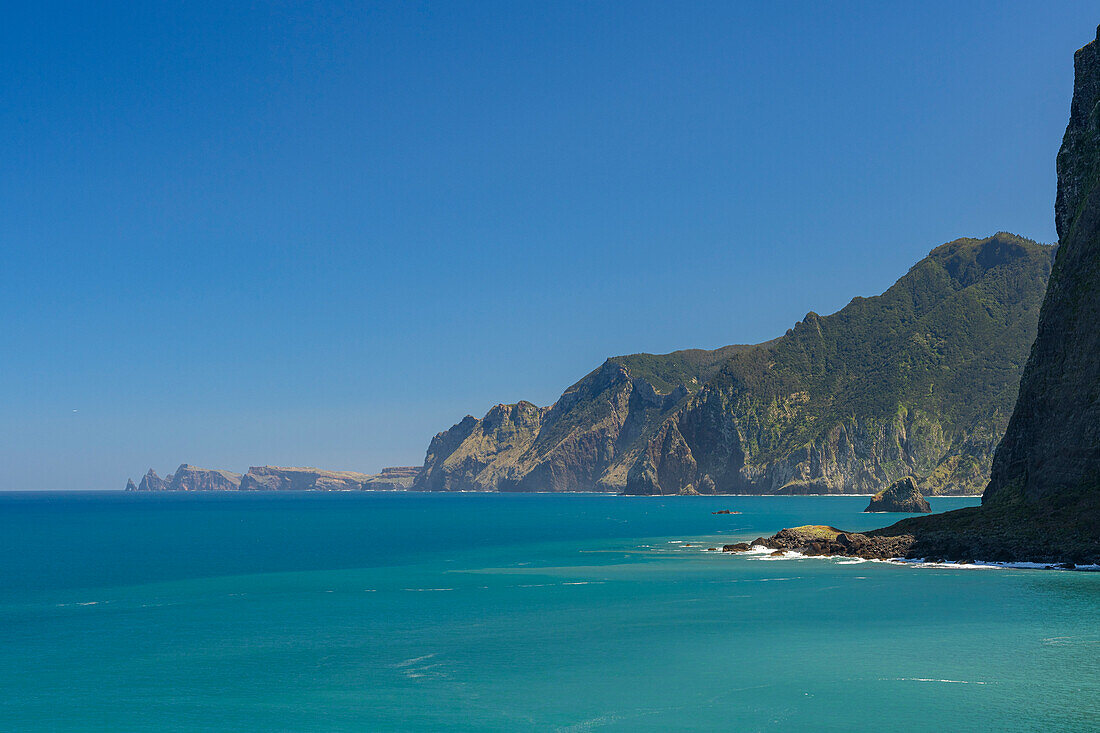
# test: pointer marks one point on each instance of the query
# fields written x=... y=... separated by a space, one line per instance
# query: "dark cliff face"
x=1052 y=443
x=1043 y=499
x=919 y=380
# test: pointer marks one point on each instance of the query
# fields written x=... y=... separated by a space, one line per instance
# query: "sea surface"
x=427 y=612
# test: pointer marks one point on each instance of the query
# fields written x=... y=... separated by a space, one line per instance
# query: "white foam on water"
x=988 y=565
x=426 y=590
x=414 y=660
x=931 y=679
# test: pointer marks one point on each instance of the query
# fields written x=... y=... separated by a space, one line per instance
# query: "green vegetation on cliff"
x=918 y=380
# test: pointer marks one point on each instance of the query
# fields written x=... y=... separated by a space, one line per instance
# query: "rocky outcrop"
x=919 y=380
x=585 y=441
x=130 y=485
x=276 y=478
x=152 y=482
x=814 y=540
x=1043 y=499
x=900 y=496
x=479 y=455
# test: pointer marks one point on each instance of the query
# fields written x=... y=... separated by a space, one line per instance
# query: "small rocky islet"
x=902 y=496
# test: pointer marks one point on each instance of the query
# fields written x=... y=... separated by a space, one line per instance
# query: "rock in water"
x=819 y=539
x=901 y=496
x=130 y=485
x=1043 y=498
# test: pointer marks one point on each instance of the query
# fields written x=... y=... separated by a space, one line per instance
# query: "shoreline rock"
x=825 y=541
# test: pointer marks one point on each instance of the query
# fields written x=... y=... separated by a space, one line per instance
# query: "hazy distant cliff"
x=276 y=478
x=919 y=380
x=188 y=478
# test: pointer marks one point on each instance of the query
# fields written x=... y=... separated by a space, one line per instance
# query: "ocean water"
x=415 y=612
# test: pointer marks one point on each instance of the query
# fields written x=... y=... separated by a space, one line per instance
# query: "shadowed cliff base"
x=1055 y=529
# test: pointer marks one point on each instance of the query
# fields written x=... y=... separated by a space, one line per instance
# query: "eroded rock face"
x=586 y=441
x=900 y=496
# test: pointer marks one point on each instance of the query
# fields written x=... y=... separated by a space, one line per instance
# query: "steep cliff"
x=1043 y=498
x=1052 y=444
x=585 y=441
x=919 y=380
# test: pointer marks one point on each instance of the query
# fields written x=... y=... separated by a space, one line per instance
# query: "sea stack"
x=900 y=496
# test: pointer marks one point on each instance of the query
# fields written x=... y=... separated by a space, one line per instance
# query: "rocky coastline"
x=826 y=541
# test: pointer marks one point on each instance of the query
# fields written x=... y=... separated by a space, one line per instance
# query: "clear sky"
x=317 y=234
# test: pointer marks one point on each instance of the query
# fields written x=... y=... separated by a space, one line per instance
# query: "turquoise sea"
x=417 y=612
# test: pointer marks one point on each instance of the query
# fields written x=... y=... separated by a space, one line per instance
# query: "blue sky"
x=317 y=234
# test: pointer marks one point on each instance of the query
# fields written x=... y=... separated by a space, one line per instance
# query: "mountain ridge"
x=648 y=424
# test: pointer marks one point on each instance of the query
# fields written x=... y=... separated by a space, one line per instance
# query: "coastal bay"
x=477 y=612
